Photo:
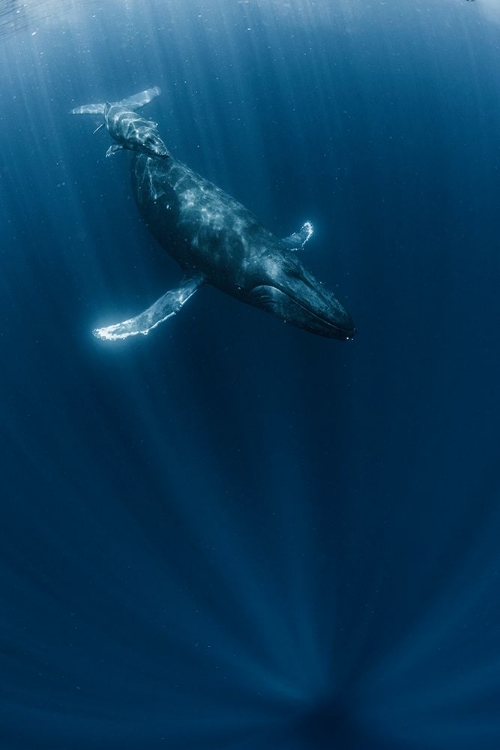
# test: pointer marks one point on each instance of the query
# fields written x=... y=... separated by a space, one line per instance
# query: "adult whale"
x=216 y=240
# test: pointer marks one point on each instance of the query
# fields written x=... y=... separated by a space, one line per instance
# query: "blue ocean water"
x=231 y=533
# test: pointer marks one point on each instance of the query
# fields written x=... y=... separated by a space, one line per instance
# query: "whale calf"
x=216 y=240
x=131 y=131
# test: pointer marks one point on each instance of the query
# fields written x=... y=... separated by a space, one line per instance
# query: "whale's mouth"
x=319 y=313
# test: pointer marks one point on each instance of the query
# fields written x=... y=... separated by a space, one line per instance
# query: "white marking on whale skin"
x=272 y=267
x=211 y=210
x=188 y=199
x=152 y=191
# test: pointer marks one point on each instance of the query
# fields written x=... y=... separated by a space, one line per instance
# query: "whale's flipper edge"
x=113 y=150
x=165 y=307
x=297 y=240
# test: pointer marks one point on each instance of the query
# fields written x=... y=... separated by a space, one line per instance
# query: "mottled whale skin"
x=207 y=231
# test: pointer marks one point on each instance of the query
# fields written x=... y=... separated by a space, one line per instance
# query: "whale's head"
x=290 y=291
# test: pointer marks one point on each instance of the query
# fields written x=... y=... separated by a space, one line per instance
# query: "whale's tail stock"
x=131 y=102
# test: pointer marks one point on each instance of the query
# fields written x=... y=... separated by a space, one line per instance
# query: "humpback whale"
x=131 y=131
x=213 y=237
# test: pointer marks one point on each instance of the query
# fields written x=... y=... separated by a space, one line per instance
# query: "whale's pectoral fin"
x=114 y=149
x=161 y=310
x=297 y=240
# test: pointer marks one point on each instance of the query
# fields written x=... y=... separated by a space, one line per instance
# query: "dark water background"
x=230 y=533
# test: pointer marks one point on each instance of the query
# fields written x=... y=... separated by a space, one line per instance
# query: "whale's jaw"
x=324 y=317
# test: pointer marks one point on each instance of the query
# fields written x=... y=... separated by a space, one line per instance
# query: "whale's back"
x=197 y=223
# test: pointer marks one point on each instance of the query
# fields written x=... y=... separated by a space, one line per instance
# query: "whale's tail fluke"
x=130 y=131
x=131 y=102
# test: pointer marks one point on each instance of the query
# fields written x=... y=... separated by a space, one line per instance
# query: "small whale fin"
x=161 y=310
x=131 y=102
x=297 y=240
x=113 y=149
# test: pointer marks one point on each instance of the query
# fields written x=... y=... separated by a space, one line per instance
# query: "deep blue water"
x=231 y=533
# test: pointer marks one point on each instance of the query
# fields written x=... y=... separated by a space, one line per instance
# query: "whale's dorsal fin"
x=297 y=240
x=161 y=310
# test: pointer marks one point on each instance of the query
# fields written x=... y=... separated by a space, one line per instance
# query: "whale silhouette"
x=213 y=237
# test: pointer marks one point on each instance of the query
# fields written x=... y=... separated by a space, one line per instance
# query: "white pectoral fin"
x=297 y=240
x=161 y=310
x=113 y=150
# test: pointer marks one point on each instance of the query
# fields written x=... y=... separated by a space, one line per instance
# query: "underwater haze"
x=231 y=534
